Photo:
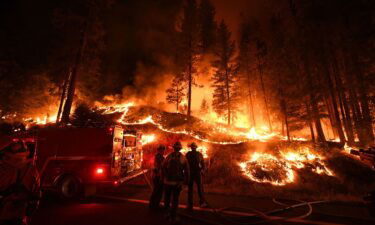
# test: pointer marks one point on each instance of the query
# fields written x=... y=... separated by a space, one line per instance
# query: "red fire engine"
x=76 y=160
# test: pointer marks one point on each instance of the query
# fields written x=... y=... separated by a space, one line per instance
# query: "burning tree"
x=225 y=80
x=189 y=46
x=175 y=94
x=82 y=50
x=205 y=108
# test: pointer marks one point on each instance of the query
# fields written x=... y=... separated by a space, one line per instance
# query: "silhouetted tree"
x=225 y=80
x=175 y=94
x=205 y=107
x=189 y=46
x=207 y=25
x=246 y=72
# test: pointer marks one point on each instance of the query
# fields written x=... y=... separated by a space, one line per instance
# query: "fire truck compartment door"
x=118 y=134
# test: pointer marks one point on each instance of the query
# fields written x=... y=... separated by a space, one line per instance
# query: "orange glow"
x=237 y=133
x=254 y=134
x=148 y=138
x=279 y=169
x=201 y=149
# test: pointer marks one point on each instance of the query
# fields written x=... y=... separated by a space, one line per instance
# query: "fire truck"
x=76 y=161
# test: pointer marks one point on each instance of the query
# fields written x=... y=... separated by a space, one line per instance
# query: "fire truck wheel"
x=70 y=187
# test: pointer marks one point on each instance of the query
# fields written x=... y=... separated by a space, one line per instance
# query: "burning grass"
x=249 y=162
x=266 y=168
x=280 y=168
x=176 y=123
x=269 y=169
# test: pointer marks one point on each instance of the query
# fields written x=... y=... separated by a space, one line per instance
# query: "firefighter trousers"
x=157 y=193
x=195 y=179
x=172 y=192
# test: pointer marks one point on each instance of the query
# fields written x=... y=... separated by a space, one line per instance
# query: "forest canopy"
x=293 y=66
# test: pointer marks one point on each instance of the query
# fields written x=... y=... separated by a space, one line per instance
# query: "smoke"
x=139 y=59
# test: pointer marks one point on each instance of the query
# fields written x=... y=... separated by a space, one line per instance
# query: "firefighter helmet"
x=193 y=145
x=161 y=147
x=177 y=145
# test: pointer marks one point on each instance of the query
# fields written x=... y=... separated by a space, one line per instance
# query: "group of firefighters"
x=170 y=173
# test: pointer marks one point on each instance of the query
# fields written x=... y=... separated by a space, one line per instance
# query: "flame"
x=41 y=120
x=201 y=149
x=280 y=170
x=148 y=138
x=253 y=134
x=266 y=168
x=347 y=148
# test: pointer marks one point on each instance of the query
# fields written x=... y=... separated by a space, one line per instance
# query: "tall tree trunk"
x=354 y=103
x=314 y=104
x=365 y=109
x=309 y=121
x=316 y=116
x=357 y=116
x=328 y=105
x=178 y=98
x=348 y=118
x=343 y=104
x=190 y=83
x=283 y=105
x=72 y=84
x=264 y=93
x=336 y=115
x=250 y=98
x=228 y=96
x=63 y=95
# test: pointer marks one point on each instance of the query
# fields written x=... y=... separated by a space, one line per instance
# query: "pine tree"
x=189 y=47
x=175 y=94
x=245 y=61
x=261 y=53
x=81 y=52
x=205 y=108
x=225 y=80
x=207 y=25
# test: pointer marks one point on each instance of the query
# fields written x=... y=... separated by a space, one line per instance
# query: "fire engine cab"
x=75 y=160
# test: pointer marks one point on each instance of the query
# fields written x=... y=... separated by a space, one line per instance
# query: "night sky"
x=27 y=26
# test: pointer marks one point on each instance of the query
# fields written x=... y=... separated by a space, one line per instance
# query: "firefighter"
x=11 y=160
x=197 y=166
x=157 y=178
x=17 y=184
x=176 y=172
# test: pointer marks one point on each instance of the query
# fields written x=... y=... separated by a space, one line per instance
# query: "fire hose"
x=265 y=215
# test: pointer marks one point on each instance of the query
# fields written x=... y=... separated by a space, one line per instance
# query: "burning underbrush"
x=288 y=170
x=210 y=132
x=179 y=124
x=242 y=161
x=279 y=168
